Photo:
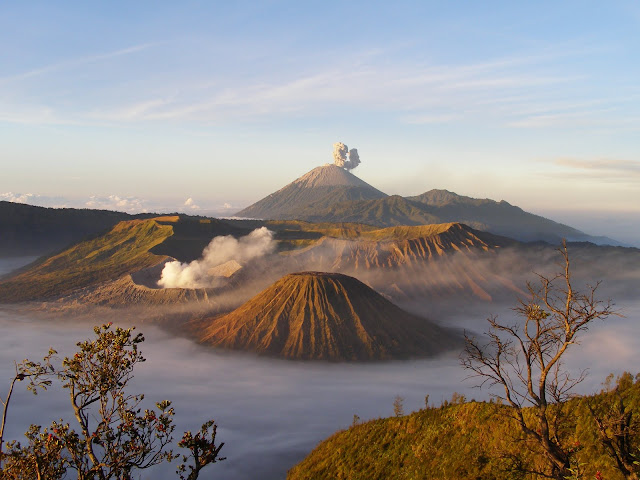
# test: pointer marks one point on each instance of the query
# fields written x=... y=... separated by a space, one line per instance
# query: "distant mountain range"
x=332 y=194
x=30 y=230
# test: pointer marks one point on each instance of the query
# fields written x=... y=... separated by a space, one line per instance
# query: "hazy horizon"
x=208 y=107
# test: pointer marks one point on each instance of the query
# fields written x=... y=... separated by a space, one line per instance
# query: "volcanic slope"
x=332 y=194
x=128 y=247
x=318 y=189
x=122 y=250
x=407 y=262
x=326 y=316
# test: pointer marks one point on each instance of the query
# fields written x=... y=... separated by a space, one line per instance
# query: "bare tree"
x=526 y=360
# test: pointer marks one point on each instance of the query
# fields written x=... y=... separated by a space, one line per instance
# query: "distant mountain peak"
x=321 y=187
x=329 y=175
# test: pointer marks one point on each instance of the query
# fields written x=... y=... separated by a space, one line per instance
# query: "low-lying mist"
x=271 y=413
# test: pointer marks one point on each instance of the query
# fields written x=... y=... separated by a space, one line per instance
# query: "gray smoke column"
x=197 y=274
x=340 y=153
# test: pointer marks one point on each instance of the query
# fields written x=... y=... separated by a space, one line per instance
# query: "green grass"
x=462 y=441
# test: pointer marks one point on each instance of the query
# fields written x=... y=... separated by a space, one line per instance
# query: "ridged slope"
x=124 y=292
x=317 y=189
x=396 y=246
x=430 y=261
x=441 y=206
x=325 y=316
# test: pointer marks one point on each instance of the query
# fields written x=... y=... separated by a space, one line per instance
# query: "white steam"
x=340 y=153
x=201 y=273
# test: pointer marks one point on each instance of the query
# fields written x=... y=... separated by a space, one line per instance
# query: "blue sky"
x=136 y=105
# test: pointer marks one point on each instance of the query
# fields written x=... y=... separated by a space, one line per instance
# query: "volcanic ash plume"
x=220 y=250
x=340 y=152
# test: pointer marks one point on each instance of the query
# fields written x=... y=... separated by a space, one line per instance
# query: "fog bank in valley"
x=271 y=413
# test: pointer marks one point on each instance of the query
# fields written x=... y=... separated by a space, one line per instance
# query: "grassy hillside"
x=462 y=441
x=128 y=247
x=122 y=250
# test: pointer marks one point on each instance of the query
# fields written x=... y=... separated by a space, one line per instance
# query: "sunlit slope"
x=318 y=189
x=325 y=316
x=462 y=441
x=124 y=249
x=127 y=248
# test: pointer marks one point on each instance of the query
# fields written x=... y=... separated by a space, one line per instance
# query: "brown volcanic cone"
x=326 y=316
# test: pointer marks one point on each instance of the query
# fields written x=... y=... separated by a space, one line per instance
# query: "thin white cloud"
x=602 y=168
x=366 y=87
x=190 y=204
x=120 y=203
x=75 y=62
x=26 y=115
x=427 y=118
x=35 y=199
x=516 y=91
x=116 y=202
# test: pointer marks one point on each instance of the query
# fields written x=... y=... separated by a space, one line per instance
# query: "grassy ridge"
x=462 y=441
x=124 y=249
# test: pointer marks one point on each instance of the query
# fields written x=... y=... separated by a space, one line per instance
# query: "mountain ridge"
x=331 y=194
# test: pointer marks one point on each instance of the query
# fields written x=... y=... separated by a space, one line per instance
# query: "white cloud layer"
x=120 y=203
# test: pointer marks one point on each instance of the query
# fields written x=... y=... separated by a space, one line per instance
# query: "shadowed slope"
x=30 y=230
x=326 y=316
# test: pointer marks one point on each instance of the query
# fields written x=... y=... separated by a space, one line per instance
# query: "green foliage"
x=115 y=435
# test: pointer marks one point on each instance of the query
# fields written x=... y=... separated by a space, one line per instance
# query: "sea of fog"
x=271 y=413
